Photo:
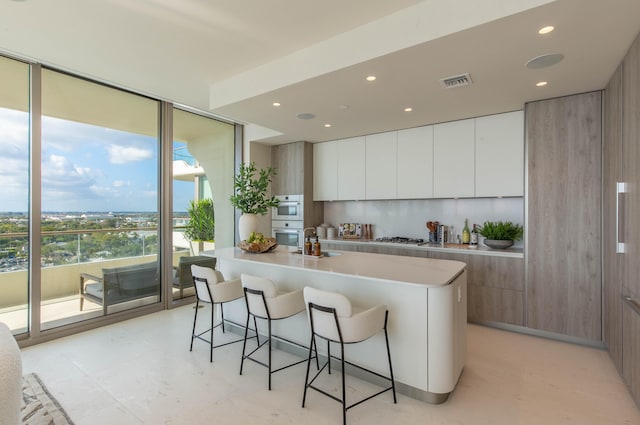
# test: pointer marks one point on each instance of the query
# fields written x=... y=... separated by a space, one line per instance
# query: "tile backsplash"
x=408 y=217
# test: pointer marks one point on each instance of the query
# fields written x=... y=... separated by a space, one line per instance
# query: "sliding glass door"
x=14 y=200
x=99 y=222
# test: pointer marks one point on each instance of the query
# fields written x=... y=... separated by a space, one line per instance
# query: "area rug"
x=38 y=405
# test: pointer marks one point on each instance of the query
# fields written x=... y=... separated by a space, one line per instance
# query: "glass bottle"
x=474 y=237
x=308 y=250
x=466 y=236
x=316 y=248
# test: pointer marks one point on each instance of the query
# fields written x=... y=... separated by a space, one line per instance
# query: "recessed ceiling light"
x=327 y=125
x=408 y=109
x=546 y=30
x=371 y=78
x=541 y=84
x=276 y=103
x=343 y=107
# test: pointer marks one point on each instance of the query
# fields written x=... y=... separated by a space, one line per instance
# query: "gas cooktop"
x=401 y=239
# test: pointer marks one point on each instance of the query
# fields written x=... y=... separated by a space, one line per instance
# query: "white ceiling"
x=234 y=58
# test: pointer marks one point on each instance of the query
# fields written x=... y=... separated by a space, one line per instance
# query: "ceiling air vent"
x=456 y=81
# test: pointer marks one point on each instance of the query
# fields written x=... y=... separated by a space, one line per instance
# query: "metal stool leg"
x=393 y=382
x=213 y=310
x=269 y=326
x=193 y=331
x=244 y=344
x=344 y=387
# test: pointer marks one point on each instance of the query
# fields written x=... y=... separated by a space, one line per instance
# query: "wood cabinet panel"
x=381 y=165
x=631 y=350
x=612 y=262
x=415 y=163
x=499 y=166
x=351 y=169
x=454 y=159
x=564 y=204
x=325 y=171
x=495 y=287
x=288 y=160
x=631 y=169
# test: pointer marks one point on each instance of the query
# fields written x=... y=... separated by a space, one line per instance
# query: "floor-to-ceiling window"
x=83 y=194
x=99 y=221
x=14 y=201
x=202 y=172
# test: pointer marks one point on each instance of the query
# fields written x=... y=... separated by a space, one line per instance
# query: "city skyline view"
x=84 y=167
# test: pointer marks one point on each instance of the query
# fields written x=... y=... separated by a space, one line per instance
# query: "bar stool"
x=333 y=319
x=211 y=288
x=264 y=302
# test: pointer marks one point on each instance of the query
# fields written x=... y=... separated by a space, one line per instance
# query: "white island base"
x=426 y=299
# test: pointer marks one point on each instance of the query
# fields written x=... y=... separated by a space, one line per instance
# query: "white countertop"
x=452 y=248
x=395 y=268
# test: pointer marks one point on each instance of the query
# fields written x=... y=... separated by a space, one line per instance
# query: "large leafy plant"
x=202 y=224
x=250 y=189
x=501 y=230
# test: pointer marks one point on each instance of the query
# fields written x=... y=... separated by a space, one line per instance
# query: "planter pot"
x=498 y=244
x=198 y=246
x=248 y=223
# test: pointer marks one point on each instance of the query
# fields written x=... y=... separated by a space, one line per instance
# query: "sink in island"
x=426 y=299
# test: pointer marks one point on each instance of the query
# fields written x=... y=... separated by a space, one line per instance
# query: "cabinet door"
x=454 y=159
x=288 y=160
x=380 y=163
x=631 y=348
x=564 y=142
x=499 y=163
x=351 y=169
x=325 y=171
x=415 y=163
x=612 y=274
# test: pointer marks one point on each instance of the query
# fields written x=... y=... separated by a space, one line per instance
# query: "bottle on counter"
x=473 y=238
x=316 y=248
x=308 y=250
x=466 y=235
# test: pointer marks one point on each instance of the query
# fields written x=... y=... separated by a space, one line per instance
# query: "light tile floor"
x=141 y=372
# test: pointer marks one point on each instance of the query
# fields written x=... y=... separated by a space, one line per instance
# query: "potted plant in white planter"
x=201 y=227
x=500 y=234
x=250 y=196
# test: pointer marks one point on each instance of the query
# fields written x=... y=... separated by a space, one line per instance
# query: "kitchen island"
x=426 y=299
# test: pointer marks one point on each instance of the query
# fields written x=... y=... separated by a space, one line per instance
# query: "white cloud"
x=121 y=183
x=125 y=154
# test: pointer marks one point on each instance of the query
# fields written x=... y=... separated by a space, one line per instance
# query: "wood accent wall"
x=612 y=262
x=563 y=142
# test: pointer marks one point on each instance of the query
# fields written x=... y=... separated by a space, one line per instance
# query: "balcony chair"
x=264 y=302
x=183 y=278
x=120 y=284
x=211 y=288
x=334 y=319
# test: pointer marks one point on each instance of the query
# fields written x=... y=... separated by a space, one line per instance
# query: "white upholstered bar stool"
x=264 y=302
x=211 y=288
x=333 y=319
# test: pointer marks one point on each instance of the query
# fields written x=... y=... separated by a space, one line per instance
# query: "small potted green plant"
x=202 y=225
x=500 y=234
x=250 y=196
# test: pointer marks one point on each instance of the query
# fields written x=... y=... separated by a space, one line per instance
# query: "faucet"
x=304 y=232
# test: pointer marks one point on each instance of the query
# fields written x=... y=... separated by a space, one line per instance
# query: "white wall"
x=408 y=217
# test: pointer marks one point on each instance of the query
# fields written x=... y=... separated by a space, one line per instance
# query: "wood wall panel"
x=612 y=262
x=564 y=215
x=631 y=168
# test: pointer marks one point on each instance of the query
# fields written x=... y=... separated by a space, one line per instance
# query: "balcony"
x=60 y=287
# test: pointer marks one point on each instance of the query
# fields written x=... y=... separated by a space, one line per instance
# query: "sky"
x=84 y=168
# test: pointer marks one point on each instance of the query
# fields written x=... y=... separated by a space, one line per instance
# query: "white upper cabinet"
x=380 y=162
x=500 y=155
x=351 y=168
x=454 y=159
x=415 y=163
x=325 y=173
